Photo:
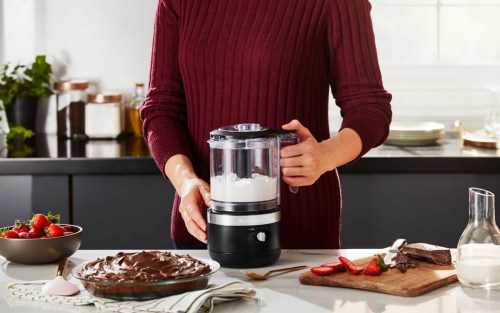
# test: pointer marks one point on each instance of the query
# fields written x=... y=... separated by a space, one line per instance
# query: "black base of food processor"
x=245 y=260
x=244 y=240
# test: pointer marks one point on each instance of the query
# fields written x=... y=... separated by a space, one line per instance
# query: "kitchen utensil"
x=415 y=134
x=477 y=139
x=266 y=275
x=414 y=282
x=145 y=291
x=388 y=259
x=244 y=220
x=38 y=251
x=60 y=286
x=478 y=252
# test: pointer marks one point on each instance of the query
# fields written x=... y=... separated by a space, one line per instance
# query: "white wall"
x=105 y=41
x=436 y=55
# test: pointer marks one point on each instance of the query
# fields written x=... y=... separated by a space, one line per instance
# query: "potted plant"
x=21 y=89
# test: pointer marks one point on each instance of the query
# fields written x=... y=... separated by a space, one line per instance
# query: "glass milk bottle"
x=478 y=252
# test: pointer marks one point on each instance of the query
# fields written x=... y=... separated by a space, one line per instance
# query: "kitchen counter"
x=46 y=155
x=282 y=293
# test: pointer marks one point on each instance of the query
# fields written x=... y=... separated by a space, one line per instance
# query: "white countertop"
x=283 y=293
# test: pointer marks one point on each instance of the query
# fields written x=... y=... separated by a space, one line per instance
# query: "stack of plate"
x=415 y=134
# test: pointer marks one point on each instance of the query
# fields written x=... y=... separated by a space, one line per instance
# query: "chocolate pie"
x=144 y=267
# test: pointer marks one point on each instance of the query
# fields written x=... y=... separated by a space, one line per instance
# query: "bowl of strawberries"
x=40 y=240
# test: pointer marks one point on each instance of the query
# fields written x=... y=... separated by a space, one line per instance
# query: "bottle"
x=135 y=105
x=478 y=252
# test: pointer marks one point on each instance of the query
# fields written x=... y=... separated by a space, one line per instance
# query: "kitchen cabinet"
x=123 y=211
x=22 y=194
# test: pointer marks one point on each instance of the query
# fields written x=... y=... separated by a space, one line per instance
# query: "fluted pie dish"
x=136 y=281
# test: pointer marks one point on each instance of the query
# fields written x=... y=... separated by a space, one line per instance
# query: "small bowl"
x=39 y=251
x=145 y=291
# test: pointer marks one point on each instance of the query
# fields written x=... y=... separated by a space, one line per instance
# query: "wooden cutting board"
x=414 y=282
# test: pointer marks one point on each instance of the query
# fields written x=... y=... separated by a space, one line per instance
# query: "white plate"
x=405 y=142
x=416 y=136
x=416 y=126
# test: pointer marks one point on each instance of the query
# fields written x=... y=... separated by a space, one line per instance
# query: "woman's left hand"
x=302 y=164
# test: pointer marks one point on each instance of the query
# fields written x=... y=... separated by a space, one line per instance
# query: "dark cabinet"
x=123 y=211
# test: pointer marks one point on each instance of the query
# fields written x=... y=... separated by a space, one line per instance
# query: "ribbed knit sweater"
x=222 y=62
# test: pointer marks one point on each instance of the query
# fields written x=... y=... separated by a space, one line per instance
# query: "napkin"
x=189 y=302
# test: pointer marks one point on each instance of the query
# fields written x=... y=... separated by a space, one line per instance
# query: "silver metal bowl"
x=39 y=251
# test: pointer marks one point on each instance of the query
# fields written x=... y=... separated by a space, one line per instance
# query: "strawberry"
x=21 y=227
x=6 y=233
x=68 y=227
x=54 y=230
x=337 y=266
x=377 y=266
x=44 y=237
x=36 y=233
x=350 y=266
x=321 y=270
x=67 y=233
x=39 y=221
x=53 y=219
x=24 y=235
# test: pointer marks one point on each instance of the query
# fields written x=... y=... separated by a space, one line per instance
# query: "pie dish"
x=139 y=291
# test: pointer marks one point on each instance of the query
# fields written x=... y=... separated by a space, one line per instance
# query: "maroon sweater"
x=222 y=62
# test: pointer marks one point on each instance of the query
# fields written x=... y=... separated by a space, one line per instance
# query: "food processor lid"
x=243 y=131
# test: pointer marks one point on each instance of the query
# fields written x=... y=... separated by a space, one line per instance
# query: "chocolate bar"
x=432 y=254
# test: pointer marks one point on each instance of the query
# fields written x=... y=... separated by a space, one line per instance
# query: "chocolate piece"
x=404 y=262
x=433 y=254
x=153 y=266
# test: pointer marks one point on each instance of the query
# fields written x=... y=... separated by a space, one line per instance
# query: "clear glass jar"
x=71 y=100
x=103 y=115
x=135 y=106
x=244 y=167
x=478 y=252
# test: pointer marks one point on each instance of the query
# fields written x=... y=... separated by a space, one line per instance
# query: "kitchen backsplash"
x=436 y=56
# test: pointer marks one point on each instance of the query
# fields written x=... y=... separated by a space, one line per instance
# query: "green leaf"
x=36 y=84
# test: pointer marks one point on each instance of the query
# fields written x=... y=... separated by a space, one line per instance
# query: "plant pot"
x=23 y=112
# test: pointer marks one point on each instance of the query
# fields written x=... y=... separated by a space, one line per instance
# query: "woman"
x=223 y=62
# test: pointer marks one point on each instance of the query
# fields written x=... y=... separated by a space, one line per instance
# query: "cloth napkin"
x=189 y=302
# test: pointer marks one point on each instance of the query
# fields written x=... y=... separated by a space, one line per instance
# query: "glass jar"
x=135 y=105
x=103 y=115
x=478 y=252
x=71 y=99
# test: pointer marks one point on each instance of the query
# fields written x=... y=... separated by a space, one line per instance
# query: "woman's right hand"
x=194 y=192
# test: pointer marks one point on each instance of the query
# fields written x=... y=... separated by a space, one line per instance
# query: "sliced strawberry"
x=377 y=266
x=350 y=266
x=67 y=233
x=68 y=227
x=24 y=235
x=337 y=266
x=6 y=233
x=322 y=270
x=54 y=230
x=36 y=233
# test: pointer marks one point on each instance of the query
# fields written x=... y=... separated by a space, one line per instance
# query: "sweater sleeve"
x=164 y=112
x=355 y=75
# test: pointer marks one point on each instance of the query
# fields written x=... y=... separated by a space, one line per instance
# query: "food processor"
x=244 y=220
